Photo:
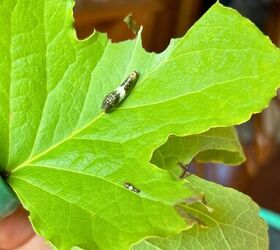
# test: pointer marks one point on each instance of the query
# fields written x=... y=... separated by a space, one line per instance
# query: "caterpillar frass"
x=131 y=188
x=114 y=98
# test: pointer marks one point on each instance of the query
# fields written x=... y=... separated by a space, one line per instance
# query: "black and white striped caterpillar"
x=114 y=98
x=131 y=187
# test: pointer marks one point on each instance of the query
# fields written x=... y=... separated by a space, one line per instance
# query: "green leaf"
x=233 y=224
x=215 y=145
x=69 y=161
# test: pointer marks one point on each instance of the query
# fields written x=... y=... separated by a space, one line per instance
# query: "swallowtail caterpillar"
x=114 y=98
x=185 y=172
x=131 y=187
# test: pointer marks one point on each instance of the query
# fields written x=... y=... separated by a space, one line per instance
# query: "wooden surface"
x=263 y=187
x=273 y=23
x=161 y=19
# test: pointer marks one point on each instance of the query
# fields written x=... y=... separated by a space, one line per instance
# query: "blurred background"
x=259 y=176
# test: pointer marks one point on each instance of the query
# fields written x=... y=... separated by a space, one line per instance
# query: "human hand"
x=16 y=233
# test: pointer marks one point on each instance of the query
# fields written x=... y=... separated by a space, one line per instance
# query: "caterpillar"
x=114 y=98
x=131 y=187
x=185 y=172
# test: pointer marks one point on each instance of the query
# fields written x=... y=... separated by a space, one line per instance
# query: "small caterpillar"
x=131 y=188
x=114 y=98
x=185 y=168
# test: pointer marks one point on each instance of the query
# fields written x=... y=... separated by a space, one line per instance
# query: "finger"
x=9 y=201
x=35 y=243
x=15 y=230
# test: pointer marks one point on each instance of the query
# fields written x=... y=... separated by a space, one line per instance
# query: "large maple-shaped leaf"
x=69 y=161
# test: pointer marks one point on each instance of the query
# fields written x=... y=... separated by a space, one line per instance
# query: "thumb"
x=8 y=200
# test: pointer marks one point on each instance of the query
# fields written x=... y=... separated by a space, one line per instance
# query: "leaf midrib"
x=46 y=81
x=199 y=90
x=28 y=161
x=128 y=108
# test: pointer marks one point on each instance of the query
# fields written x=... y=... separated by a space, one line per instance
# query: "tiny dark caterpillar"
x=114 y=98
x=185 y=168
x=131 y=188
